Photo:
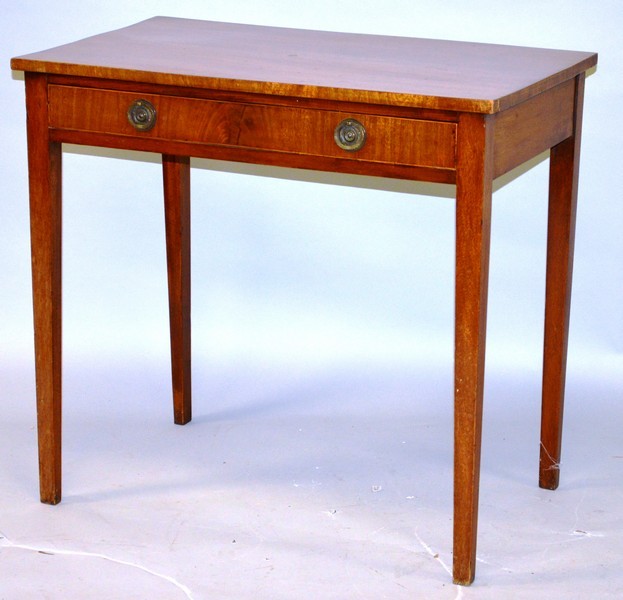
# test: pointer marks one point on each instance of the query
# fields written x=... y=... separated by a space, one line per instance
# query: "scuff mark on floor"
x=6 y=543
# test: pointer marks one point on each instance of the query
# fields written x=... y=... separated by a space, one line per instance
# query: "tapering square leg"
x=176 y=173
x=563 y=192
x=473 y=223
x=44 y=174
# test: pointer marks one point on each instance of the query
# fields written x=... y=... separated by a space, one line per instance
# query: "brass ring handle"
x=350 y=135
x=142 y=115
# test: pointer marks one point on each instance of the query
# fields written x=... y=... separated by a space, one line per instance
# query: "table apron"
x=249 y=132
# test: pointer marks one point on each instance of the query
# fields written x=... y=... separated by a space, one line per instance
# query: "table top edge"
x=43 y=62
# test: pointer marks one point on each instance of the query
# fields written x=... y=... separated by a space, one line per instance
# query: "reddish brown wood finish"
x=242 y=124
x=532 y=127
x=563 y=196
x=434 y=111
x=44 y=174
x=473 y=224
x=176 y=172
x=255 y=156
x=369 y=69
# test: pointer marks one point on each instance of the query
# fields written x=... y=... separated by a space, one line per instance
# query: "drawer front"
x=294 y=130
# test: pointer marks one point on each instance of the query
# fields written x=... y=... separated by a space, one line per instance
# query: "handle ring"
x=350 y=135
x=142 y=115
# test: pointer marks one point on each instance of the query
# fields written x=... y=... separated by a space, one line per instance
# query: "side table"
x=428 y=110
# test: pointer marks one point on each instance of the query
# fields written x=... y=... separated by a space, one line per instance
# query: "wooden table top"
x=435 y=74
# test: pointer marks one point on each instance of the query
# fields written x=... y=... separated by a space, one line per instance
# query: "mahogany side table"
x=418 y=109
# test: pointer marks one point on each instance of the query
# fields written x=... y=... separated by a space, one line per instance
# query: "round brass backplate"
x=142 y=115
x=350 y=135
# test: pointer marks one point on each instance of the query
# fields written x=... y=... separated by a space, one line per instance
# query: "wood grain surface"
x=312 y=64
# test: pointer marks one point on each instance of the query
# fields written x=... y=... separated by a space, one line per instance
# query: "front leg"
x=473 y=225
x=44 y=175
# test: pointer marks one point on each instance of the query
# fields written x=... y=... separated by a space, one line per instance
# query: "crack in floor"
x=6 y=543
x=437 y=557
x=430 y=551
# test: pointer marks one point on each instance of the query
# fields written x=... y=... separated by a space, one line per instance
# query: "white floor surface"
x=304 y=483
